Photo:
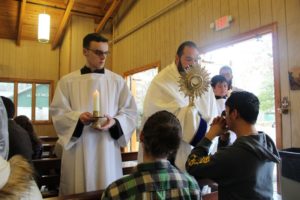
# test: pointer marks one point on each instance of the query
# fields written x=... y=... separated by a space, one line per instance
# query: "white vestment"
x=163 y=94
x=93 y=160
x=4 y=142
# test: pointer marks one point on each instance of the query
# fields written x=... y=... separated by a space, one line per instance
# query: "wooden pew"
x=48 y=150
x=93 y=195
x=48 y=175
x=48 y=139
x=47 y=169
x=211 y=196
x=129 y=161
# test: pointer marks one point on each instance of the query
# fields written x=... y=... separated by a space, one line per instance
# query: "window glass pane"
x=24 y=99
x=7 y=90
x=42 y=102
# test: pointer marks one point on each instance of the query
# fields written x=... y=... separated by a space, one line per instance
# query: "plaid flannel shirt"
x=157 y=180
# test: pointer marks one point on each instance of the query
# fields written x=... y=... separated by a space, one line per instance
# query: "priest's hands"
x=86 y=118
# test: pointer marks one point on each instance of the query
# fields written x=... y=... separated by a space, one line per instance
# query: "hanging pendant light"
x=44 y=28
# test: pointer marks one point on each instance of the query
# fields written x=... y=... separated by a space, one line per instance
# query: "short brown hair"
x=162 y=134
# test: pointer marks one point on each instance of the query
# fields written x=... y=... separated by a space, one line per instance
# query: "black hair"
x=184 y=44
x=92 y=37
x=246 y=104
x=217 y=79
x=162 y=134
x=9 y=106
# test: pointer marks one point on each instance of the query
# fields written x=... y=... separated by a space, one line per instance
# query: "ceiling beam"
x=107 y=15
x=21 y=17
x=63 y=24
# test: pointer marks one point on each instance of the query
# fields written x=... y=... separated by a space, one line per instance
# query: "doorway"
x=252 y=66
x=253 y=59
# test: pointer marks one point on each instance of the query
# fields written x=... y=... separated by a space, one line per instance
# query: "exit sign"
x=222 y=23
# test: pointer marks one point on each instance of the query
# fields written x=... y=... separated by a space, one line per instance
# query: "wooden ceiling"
x=19 y=18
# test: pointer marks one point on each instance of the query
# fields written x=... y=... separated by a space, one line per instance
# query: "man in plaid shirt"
x=156 y=178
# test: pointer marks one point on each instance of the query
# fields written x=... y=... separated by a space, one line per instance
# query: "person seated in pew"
x=25 y=123
x=243 y=170
x=156 y=178
x=19 y=141
x=16 y=180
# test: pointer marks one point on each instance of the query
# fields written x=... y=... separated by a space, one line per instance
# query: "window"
x=31 y=97
x=138 y=81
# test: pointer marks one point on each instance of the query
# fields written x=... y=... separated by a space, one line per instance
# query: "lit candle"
x=96 y=101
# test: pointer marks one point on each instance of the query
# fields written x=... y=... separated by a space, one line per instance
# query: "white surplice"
x=93 y=160
x=4 y=142
x=163 y=94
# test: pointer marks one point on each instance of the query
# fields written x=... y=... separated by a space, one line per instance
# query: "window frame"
x=34 y=82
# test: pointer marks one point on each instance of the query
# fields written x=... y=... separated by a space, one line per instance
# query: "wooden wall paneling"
x=209 y=18
x=53 y=65
x=1 y=57
x=43 y=130
x=188 y=20
x=8 y=72
x=293 y=35
x=178 y=29
x=234 y=11
x=64 y=53
x=12 y=58
x=195 y=12
x=80 y=26
x=265 y=12
x=216 y=10
x=254 y=13
x=146 y=44
x=202 y=22
x=20 y=69
x=4 y=61
x=225 y=10
x=132 y=43
x=164 y=39
x=244 y=22
x=169 y=31
x=139 y=54
x=154 y=36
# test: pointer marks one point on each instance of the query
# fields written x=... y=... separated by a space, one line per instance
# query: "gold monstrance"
x=194 y=82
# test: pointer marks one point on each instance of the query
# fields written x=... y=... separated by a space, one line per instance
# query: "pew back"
x=48 y=175
x=129 y=162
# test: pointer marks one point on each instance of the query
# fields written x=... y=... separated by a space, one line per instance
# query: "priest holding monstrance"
x=94 y=114
x=183 y=89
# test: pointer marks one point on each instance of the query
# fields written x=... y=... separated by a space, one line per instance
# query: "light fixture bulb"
x=44 y=28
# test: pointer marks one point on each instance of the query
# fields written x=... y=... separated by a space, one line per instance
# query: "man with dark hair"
x=91 y=157
x=164 y=94
x=156 y=178
x=243 y=170
x=19 y=140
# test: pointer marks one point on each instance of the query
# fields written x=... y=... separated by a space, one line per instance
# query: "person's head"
x=9 y=106
x=219 y=85
x=24 y=121
x=226 y=71
x=243 y=106
x=187 y=54
x=161 y=134
x=95 y=49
